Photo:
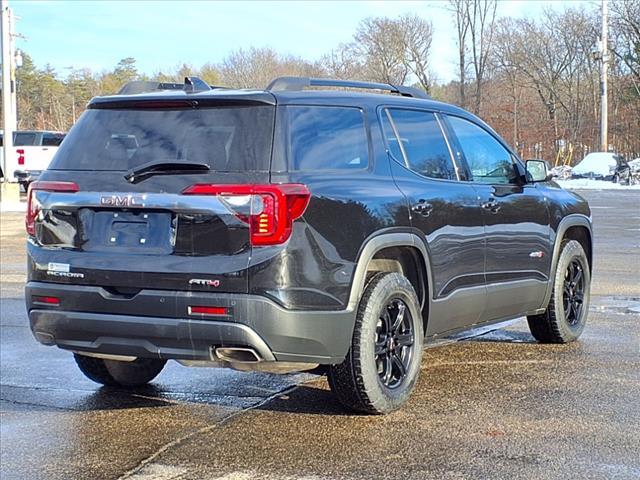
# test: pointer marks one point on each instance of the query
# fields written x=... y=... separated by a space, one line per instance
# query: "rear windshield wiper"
x=149 y=169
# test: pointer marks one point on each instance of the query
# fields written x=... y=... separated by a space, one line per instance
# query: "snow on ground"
x=589 y=184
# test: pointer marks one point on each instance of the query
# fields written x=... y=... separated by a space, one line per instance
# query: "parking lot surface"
x=493 y=405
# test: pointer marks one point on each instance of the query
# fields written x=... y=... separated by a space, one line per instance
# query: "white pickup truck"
x=33 y=151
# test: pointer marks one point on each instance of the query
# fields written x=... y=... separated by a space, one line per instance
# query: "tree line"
x=536 y=81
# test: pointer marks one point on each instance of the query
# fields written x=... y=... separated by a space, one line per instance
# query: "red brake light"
x=216 y=311
x=33 y=207
x=53 y=301
x=273 y=208
x=20 y=152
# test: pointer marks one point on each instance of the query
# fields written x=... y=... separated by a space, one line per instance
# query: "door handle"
x=492 y=205
x=422 y=208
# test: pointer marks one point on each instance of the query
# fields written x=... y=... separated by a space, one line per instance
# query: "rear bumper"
x=156 y=323
x=26 y=176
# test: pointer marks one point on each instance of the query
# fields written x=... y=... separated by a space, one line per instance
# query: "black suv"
x=288 y=228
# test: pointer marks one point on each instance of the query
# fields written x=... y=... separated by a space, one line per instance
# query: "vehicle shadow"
x=504 y=336
x=112 y=398
x=308 y=399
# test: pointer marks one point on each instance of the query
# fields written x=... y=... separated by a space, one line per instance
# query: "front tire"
x=383 y=363
x=566 y=315
x=116 y=373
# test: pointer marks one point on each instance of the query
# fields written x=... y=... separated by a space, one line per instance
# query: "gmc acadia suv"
x=288 y=228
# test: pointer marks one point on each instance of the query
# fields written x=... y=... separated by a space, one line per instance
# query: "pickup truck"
x=34 y=150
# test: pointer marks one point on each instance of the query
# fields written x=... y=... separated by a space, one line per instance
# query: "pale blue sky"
x=163 y=34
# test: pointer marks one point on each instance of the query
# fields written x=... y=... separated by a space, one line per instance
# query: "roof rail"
x=300 y=83
x=190 y=85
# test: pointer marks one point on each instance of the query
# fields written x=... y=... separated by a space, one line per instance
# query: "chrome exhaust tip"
x=237 y=354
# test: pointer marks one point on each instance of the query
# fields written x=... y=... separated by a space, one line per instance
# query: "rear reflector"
x=33 y=207
x=215 y=311
x=52 y=301
x=268 y=209
x=20 y=152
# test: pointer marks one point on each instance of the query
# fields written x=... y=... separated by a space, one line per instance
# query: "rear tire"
x=566 y=314
x=116 y=373
x=383 y=363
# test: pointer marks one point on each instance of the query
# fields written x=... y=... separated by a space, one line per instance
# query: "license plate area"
x=151 y=232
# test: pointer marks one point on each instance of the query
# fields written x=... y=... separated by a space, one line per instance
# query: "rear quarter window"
x=326 y=138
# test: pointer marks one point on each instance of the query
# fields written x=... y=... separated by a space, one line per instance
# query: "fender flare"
x=375 y=244
x=573 y=220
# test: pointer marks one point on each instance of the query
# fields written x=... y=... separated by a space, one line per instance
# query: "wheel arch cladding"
x=582 y=235
x=395 y=252
x=574 y=227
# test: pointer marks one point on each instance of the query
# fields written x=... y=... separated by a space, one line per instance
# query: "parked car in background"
x=602 y=166
x=33 y=151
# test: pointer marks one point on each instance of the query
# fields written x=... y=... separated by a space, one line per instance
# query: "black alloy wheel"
x=394 y=343
x=573 y=292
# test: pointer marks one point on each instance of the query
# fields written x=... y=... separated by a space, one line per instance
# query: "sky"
x=161 y=35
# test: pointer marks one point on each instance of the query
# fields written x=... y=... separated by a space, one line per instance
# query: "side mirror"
x=537 y=171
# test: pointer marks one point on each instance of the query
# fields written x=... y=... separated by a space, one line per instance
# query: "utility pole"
x=8 y=108
x=604 y=70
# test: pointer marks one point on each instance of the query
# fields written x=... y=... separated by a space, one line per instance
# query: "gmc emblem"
x=122 y=201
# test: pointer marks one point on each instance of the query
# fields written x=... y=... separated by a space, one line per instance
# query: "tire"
x=566 y=315
x=116 y=373
x=381 y=369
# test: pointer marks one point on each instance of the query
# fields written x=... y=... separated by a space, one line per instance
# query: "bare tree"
x=256 y=67
x=417 y=35
x=380 y=42
x=481 y=16
x=507 y=62
x=343 y=62
x=459 y=9
x=625 y=23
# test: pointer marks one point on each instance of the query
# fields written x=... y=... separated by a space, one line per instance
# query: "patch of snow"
x=589 y=184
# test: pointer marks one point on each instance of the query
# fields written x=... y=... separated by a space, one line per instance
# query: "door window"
x=488 y=160
x=421 y=139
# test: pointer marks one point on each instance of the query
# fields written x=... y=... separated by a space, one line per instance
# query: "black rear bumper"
x=156 y=323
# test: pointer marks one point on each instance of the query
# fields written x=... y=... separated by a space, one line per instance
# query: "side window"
x=423 y=143
x=327 y=138
x=24 y=139
x=488 y=160
x=52 y=139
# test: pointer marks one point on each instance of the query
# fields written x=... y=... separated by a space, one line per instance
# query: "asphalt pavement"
x=495 y=405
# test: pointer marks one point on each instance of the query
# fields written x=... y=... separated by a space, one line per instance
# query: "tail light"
x=20 y=152
x=33 y=207
x=269 y=210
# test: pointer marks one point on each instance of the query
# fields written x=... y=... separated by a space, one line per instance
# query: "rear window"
x=226 y=138
x=326 y=138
